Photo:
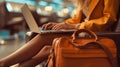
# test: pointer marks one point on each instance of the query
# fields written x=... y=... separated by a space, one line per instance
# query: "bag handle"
x=95 y=42
x=92 y=34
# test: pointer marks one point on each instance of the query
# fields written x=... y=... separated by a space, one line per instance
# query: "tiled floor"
x=10 y=46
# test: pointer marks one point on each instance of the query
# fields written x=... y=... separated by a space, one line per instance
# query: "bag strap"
x=51 y=57
x=109 y=54
x=52 y=54
x=106 y=50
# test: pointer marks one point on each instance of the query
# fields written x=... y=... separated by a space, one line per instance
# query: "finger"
x=46 y=26
x=43 y=26
x=51 y=26
x=57 y=27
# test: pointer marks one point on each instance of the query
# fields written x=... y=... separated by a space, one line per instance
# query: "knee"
x=2 y=64
x=46 y=50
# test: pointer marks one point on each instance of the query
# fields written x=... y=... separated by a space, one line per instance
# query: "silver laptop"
x=33 y=25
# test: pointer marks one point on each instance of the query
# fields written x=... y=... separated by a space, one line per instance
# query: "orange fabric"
x=102 y=14
x=83 y=52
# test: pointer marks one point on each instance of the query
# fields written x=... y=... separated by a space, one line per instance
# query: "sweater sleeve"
x=109 y=17
x=75 y=19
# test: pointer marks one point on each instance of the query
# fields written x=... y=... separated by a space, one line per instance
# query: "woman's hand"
x=58 y=26
x=48 y=26
x=63 y=26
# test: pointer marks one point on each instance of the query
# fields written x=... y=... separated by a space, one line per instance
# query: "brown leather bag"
x=76 y=51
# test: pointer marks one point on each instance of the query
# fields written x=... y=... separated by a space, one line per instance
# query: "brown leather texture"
x=76 y=51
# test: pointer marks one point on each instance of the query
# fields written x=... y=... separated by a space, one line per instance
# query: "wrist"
x=77 y=26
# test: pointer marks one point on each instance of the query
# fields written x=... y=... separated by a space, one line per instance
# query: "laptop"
x=33 y=25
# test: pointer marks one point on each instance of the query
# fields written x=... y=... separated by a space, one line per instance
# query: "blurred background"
x=13 y=26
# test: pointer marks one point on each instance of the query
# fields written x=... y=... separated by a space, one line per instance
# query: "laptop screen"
x=30 y=19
